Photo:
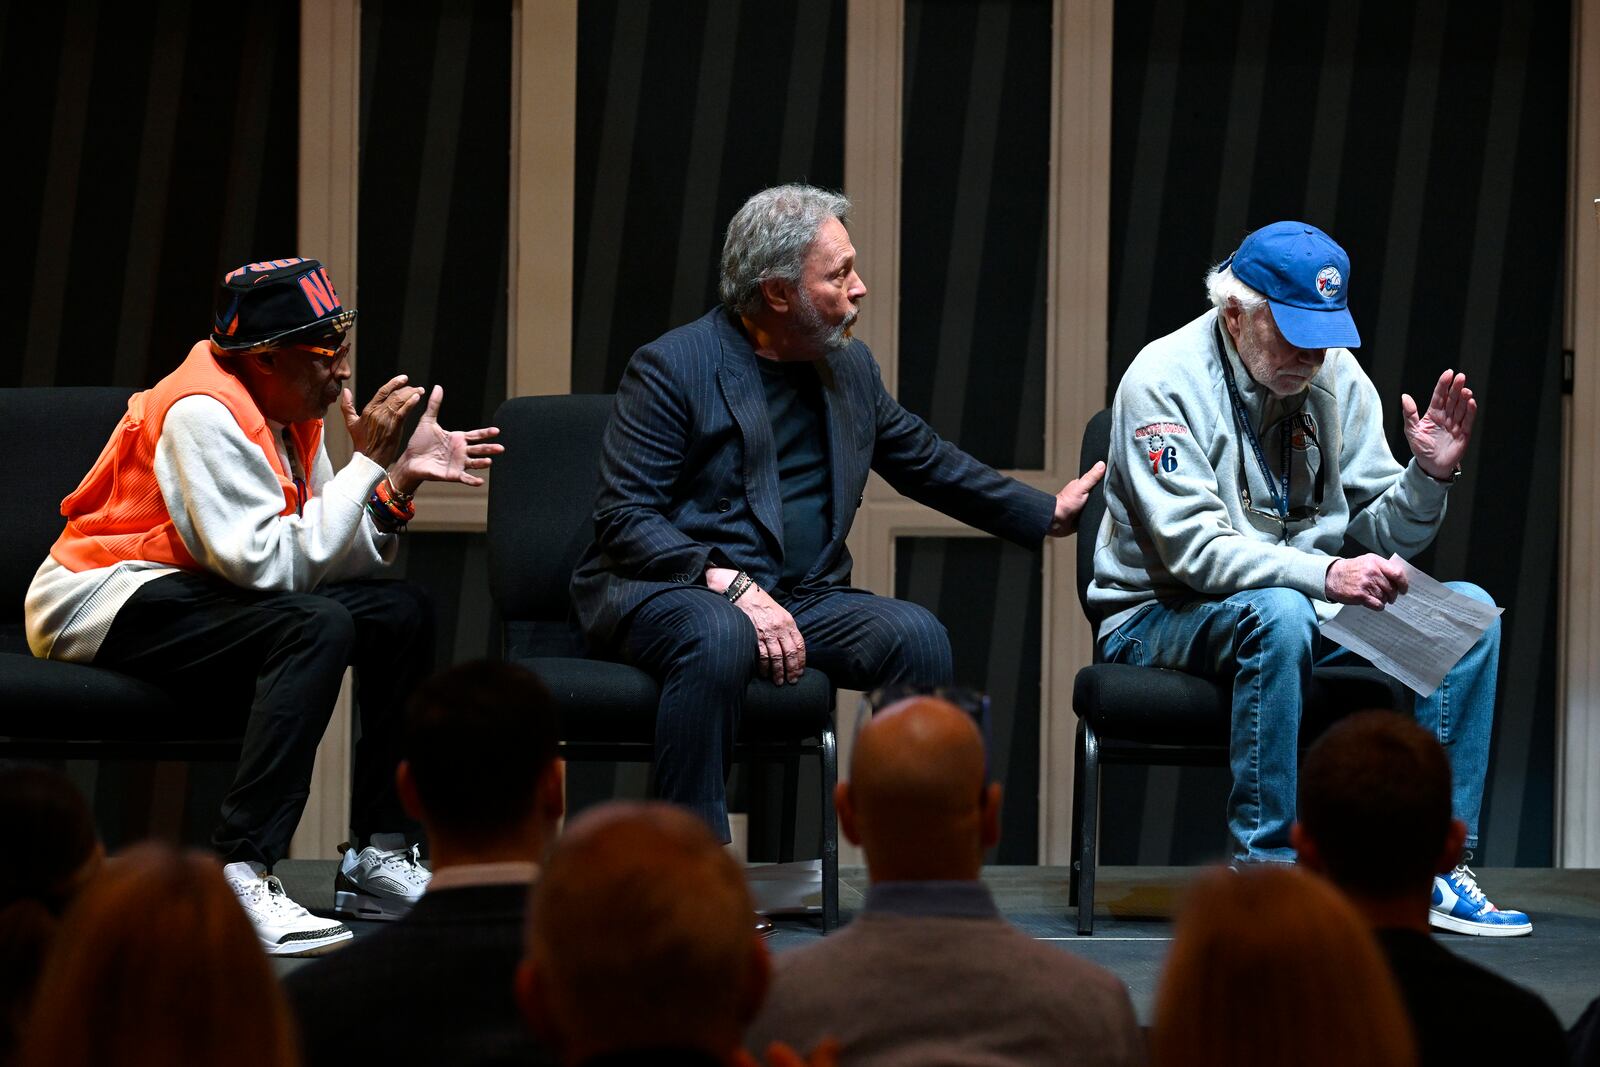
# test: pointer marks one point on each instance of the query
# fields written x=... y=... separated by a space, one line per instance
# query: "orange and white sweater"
x=227 y=502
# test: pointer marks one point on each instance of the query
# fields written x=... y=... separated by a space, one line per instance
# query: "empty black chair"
x=1150 y=715
x=541 y=507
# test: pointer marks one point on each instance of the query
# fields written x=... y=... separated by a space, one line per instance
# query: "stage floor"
x=1134 y=906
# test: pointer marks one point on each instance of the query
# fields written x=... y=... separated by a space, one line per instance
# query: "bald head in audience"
x=917 y=801
x=639 y=936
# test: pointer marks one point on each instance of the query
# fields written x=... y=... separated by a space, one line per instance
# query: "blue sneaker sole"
x=1440 y=921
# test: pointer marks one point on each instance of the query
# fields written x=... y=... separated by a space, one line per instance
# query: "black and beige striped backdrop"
x=159 y=147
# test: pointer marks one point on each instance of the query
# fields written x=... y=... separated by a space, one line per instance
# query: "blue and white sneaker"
x=1460 y=906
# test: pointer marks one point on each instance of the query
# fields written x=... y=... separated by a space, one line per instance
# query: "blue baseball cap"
x=1303 y=273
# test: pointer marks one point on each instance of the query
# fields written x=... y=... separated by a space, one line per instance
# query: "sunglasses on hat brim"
x=324 y=337
x=327 y=347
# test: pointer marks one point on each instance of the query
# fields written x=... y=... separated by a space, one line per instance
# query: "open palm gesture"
x=1439 y=437
x=435 y=454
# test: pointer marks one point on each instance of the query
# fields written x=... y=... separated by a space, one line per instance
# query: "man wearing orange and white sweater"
x=213 y=549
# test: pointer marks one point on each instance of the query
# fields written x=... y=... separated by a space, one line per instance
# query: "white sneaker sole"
x=307 y=946
x=366 y=906
x=1440 y=921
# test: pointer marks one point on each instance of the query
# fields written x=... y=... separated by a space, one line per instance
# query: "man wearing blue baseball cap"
x=1245 y=447
x=213 y=549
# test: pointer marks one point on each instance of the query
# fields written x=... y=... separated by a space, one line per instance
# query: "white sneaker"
x=284 y=927
x=380 y=883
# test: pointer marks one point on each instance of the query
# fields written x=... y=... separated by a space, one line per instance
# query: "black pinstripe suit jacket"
x=689 y=473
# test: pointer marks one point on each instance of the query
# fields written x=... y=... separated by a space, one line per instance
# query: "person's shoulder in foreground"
x=1510 y=1025
x=1583 y=1040
x=479 y=770
x=897 y=989
x=1380 y=768
x=442 y=975
x=910 y=980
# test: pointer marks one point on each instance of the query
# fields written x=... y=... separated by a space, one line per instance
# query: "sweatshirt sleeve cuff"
x=1422 y=490
x=358 y=479
x=1308 y=574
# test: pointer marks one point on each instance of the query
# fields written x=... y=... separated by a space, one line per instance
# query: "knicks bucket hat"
x=1304 y=275
x=277 y=303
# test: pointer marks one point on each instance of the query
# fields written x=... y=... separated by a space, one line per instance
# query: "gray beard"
x=1261 y=372
x=828 y=338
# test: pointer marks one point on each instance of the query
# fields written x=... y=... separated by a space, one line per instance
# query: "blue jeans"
x=1266 y=641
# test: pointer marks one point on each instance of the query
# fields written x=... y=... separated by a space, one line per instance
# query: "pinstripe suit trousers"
x=702 y=651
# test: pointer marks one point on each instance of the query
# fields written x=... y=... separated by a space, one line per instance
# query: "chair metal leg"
x=1088 y=821
x=828 y=750
x=1077 y=817
x=791 y=801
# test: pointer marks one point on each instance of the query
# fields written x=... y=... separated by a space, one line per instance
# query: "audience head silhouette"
x=479 y=764
x=56 y=855
x=1375 y=820
x=157 y=963
x=639 y=937
x=917 y=801
x=1374 y=811
x=50 y=839
x=1269 y=966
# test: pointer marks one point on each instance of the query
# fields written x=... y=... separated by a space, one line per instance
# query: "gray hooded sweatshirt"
x=1177 y=524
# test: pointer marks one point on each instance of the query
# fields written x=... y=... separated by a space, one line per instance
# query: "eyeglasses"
x=331 y=353
x=1302 y=425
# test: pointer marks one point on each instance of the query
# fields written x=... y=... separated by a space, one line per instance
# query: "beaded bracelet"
x=390 y=508
x=737 y=588
x=382 y=519
x=403 y=499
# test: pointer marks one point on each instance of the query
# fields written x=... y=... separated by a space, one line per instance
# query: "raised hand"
x=1439 y=437
x=435 y=454
x=376 y=431
x=1070 y=501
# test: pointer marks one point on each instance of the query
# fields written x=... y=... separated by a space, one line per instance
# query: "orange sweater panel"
x=117 y=512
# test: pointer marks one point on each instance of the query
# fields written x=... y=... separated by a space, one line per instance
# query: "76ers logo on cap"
x=1329 y=282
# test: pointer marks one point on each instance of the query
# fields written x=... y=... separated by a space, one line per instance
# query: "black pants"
x=283 y=655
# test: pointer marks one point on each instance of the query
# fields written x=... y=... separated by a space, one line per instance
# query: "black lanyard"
x=1241 y=417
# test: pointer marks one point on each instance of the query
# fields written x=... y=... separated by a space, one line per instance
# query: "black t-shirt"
x=1463 y=1013
x=800 y=437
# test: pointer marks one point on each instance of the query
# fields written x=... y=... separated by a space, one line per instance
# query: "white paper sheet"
x=1420 y=636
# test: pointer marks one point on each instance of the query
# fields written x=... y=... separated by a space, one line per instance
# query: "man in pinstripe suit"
x=731 y=470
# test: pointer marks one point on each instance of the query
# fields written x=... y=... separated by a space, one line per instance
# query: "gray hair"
x=769 y=237
x=1222 y=287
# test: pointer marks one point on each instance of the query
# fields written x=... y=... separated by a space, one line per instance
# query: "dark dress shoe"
x=765 y=927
